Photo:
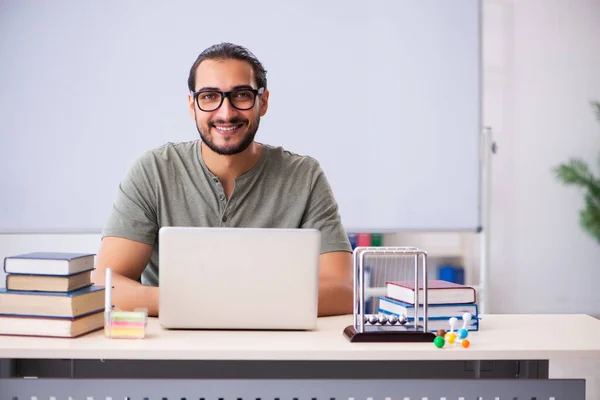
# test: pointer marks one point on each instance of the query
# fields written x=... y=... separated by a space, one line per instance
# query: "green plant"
x=577 y=172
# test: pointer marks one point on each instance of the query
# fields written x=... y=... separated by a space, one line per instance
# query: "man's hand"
x=127 y=259
x=335 y=284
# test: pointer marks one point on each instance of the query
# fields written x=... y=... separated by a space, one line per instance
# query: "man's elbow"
x=336 y=299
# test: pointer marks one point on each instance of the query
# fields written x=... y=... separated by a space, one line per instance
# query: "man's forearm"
x=128 y=295
x=335 y=297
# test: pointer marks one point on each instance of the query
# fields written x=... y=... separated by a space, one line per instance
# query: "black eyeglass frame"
x=257 y=92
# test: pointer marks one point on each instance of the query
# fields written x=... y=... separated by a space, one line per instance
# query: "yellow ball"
x=450 y=337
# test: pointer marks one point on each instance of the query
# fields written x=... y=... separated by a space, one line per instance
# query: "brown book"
x=49 y=283
x=53 y=327
x=52 y=304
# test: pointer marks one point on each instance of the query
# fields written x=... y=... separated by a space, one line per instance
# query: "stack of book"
x=444 y=301
x=50 y=294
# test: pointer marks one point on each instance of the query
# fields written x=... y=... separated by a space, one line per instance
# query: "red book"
x=438 y=292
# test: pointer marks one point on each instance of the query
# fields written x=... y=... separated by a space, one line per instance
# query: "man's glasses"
x=242 y=99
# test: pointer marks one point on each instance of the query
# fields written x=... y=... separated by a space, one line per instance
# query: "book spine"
x=439 y=317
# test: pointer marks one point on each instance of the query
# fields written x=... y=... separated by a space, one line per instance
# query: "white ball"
x=467 y=316
x=453 y=321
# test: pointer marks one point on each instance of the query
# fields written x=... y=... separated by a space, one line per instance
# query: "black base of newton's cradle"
x=387 y=336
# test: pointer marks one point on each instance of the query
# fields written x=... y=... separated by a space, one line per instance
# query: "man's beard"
x=229 y=150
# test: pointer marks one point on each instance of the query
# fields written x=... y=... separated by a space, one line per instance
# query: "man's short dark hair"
x=229 y=51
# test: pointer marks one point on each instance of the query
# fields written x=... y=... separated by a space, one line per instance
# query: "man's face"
x=227 y=130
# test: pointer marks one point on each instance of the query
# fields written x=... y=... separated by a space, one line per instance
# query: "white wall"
x=542 y=67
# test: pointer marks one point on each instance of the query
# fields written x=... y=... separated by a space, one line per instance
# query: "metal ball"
x=402 y=319
x=373 y=319
x=393 y=319
x=383 y=319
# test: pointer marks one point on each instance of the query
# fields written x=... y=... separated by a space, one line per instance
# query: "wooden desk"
x=507 y=346
x=501 y=337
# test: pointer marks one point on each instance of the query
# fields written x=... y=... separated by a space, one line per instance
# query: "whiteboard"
x=386 y=95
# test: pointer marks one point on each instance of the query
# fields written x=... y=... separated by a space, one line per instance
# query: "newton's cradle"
x=373 y=267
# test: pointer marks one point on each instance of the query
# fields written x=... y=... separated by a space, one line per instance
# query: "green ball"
x=439 y=342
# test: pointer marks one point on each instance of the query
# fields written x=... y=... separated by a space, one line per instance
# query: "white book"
x=438 y=292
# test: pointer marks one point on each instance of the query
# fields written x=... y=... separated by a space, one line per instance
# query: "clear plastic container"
x=126 y=324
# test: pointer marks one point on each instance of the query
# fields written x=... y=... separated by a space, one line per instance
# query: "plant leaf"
x=574 y=172
x=589 y=216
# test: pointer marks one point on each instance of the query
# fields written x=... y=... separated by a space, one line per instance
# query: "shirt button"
x=224 y=219
x=222 y=197
x=216 y=180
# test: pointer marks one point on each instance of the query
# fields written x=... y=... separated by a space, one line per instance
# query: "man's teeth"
x=227 y=128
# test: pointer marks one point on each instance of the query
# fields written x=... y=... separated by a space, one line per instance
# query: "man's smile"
x=228 y=129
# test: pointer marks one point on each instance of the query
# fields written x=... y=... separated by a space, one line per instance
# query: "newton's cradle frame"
x=394 y=258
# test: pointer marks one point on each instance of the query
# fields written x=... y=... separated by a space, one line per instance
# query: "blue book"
x=434 y=325
x=434 y=311
x=49 y=263
x=52 y=304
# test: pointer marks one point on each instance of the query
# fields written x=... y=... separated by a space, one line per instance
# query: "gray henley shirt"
x=171 y=186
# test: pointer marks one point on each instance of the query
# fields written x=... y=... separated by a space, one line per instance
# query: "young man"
x=224 y=179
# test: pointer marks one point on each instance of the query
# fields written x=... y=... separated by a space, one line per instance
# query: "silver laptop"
x=238 y=278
